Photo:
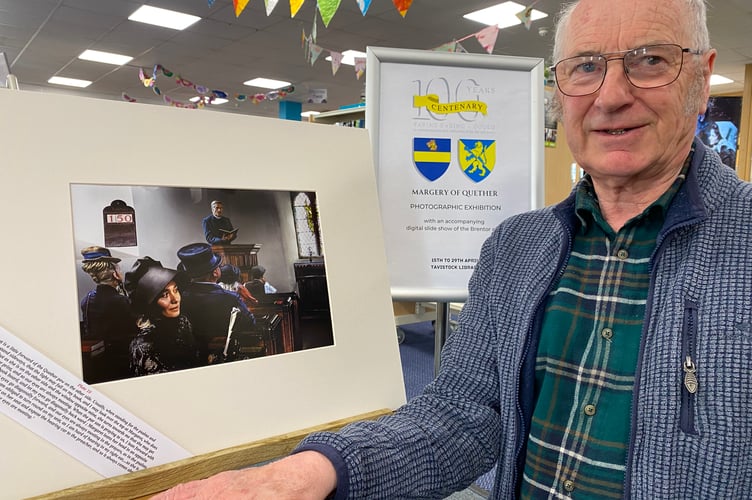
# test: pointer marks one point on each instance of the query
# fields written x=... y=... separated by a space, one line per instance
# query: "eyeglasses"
x=646 y=67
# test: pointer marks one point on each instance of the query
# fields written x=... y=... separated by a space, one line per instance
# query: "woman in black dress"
x=165 y=339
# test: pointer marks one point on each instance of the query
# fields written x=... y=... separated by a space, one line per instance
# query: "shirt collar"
x=588 y=210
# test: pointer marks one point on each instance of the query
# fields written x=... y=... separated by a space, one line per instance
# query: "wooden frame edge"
x=145 y=483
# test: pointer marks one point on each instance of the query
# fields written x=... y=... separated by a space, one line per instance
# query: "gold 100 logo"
x=436 y=99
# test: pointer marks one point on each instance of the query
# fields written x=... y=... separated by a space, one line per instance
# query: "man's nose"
x=616 y=88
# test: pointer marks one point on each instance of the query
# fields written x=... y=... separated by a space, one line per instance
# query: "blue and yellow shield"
x=432 y=156
x=477 y=158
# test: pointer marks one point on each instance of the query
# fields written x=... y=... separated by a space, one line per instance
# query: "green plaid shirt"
x=587 y=356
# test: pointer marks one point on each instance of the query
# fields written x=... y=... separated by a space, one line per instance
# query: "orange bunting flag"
x=328 y=8
x=402 y=6
x=487 y=37
x=295 y=6
x=239 y=6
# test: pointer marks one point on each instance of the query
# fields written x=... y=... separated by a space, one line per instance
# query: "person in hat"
x=208 y=305
x=257 y=285
x=229 y=279
x=165 y=339
x=106 y=312
x=218 y=229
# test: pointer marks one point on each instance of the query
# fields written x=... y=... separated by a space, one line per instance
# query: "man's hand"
x=304 y=476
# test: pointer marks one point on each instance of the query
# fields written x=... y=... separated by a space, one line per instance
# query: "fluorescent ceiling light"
x=70 y=82
x=719 y=80
x=502 y=15
x=163 y=17
x=348 y=57
x=306 y=114
x=104 y=57
x=266 y=83
x=216 y=100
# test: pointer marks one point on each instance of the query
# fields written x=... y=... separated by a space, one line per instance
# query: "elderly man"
x=605 y=350
x=218 y=229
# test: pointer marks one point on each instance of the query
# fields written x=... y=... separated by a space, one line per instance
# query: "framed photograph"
x=165 y=301
x=458 y=147
x=72 y=158
x=719 y=127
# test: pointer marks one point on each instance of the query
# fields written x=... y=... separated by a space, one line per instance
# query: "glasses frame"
x=620 y=55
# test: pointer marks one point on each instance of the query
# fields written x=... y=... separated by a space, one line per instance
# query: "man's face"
x=622 y=133
x=217 y=209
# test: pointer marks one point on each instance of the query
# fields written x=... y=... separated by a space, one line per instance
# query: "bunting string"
x=206 y=95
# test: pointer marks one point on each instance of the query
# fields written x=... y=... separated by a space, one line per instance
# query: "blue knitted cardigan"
x=477 y=410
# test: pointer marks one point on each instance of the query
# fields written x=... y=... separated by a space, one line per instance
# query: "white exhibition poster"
x=78 y=419
x=456 y=153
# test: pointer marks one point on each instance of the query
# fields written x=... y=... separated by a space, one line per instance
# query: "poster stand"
x=145 y=483
x=458 y=147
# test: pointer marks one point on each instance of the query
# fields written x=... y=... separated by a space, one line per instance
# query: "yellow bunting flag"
x=402 y=6
x=239 y=6
x=328 y=8
x=295 y=6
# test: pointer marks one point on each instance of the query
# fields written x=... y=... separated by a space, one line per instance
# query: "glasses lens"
x=653 y=66
x=646 y=67
x=580 y=75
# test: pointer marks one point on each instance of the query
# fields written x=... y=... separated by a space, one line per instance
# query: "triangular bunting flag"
x=487 y=37
x=295 y=6
x=328 y=8
x=270 y=4
x=239 y=6
x=315 y=52
x=447 y=47
x=314 y=30
x=211 y=2
x=303 y=39
x=336 y=61
x=526 y=16
x=402 y=6
x=459 y=48
x=364 y=4
x=360 y=66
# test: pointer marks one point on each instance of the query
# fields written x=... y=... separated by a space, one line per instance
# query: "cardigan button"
x=589 y=410
x=607 y=333
x=622 y=254
x=569 y=485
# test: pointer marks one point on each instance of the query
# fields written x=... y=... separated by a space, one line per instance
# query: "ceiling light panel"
x=502 y=15
x=163 y=17
x=266 y=83
x=69 y=82
x=105 y=57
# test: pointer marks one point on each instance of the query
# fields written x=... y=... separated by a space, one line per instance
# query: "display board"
x=458 y=147
x=52 y=142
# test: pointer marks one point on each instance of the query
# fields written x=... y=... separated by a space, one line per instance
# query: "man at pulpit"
x=218 y=229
